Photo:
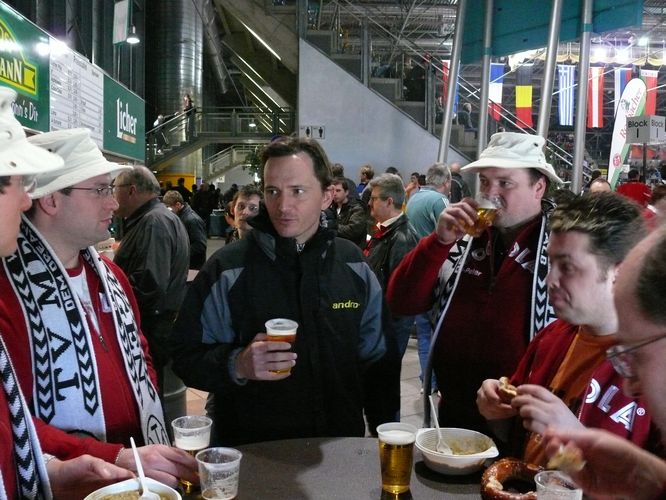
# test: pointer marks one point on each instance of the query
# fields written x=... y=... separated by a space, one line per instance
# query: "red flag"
x=649 y=76
x=524 y=96
x=595 y=97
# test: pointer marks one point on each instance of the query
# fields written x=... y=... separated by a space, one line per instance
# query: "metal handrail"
x=208 y=124
x=466 y=89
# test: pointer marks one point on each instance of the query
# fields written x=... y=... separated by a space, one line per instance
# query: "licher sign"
x=125 y=123
x=124 y=127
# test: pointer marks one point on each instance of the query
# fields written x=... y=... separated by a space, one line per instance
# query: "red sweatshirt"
x=119 y=406
x=485 y=332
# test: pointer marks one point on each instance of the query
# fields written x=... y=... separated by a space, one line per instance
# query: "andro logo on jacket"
x=345 y=305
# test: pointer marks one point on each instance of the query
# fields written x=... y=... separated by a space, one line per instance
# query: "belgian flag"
x=524 y=96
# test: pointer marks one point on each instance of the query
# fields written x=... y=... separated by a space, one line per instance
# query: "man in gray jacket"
x=154 y=253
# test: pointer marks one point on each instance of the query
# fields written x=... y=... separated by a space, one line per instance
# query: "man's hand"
x=540 y=409
x=163 y=463
x=261 y=358
x=490 y=403
x=81 y=476
x=614 y=466
x=450 y=225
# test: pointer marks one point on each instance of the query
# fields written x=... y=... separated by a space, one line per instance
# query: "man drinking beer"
x=488 y=292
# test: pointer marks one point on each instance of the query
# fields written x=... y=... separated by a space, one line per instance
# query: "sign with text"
x=24 y=66
x=646 y=129
x=124 y=127
x=59 y=88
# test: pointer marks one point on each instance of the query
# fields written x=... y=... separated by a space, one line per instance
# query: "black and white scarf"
x=541 y=312
x=66 y=387
x=31 y=478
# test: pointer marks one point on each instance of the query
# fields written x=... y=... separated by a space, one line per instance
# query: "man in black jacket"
x=393 y=238
x=195 y=226
x=350 y=217
x=289 y=266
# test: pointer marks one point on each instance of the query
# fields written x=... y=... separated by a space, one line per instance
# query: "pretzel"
x=493 y=479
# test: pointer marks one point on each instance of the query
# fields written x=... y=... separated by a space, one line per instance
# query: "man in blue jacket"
x=290 y=266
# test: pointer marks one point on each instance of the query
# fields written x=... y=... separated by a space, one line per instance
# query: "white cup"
x=219 y=470
x=556 y=485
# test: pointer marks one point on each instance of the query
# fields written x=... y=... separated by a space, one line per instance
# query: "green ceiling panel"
x=520 y=25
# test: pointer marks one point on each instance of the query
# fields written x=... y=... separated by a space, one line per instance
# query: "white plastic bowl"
x=457 y=439
x=134 y=484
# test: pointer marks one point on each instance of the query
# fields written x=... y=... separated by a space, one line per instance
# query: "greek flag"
x=567 y=80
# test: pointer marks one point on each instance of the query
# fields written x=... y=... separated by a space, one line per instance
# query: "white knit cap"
x=83 y=160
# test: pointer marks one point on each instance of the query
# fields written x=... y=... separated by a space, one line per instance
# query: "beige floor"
x=410 y=385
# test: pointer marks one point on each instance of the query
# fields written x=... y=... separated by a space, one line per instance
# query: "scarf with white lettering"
x=66 y=387
x=541 y=312
x=31 y=478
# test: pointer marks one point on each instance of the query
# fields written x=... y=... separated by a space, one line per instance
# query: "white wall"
x=360 y=126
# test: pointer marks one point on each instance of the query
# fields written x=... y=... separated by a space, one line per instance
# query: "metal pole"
x=581 y=98
x=485 y=78
x=454 y=67
x=549 y=71
x=365 y=53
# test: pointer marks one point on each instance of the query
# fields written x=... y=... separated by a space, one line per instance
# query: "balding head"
x=133 y=188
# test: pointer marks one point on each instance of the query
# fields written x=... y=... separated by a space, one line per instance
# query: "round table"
x=330 y=468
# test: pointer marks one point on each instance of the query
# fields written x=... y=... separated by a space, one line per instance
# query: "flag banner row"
x=567 y=75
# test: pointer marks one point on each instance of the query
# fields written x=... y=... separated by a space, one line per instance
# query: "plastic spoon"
x=442 y=447
x=147 y=494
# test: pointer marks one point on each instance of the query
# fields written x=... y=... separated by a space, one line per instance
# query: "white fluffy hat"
x=515 y=150
x=83 y=160
x=17 y=155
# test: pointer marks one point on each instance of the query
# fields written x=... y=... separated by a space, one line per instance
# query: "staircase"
x=181 y=135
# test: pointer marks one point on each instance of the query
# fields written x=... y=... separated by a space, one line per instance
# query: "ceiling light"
x=133 y=38
x=643 y=41
x=252 y=124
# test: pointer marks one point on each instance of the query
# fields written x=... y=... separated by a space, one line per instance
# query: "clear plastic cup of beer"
x=191 y=433
x=486 y=212
x=396 y=454
x=281 y=330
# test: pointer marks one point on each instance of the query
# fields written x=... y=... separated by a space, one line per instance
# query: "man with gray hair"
x=71 y=323
x=154 y=253
x=393 y=238
x=423 y=209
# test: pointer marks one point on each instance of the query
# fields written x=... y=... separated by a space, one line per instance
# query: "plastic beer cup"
x=396 y=451
x=486 y=212
x=281 y=330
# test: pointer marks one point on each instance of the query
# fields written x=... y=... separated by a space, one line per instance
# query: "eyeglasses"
x=102 y=192
x=622 y=356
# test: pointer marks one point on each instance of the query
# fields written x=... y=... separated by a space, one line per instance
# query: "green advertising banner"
x=60 y=89
x=124 y=128
x=24 y=66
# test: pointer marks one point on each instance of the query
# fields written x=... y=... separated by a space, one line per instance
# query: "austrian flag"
x=595 y=97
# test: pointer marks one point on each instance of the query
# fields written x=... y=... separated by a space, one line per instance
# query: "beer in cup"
x=486 y=211
x=192 y=434
x=281 y=330
x=396 y=446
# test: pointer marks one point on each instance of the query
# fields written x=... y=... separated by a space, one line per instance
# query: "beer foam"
x=397 y=437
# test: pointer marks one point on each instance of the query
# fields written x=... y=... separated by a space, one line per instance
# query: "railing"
x=401 y=48
x=209 y=125
x=218 y=163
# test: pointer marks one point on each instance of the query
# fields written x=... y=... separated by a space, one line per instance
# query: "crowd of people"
x=565 y=300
